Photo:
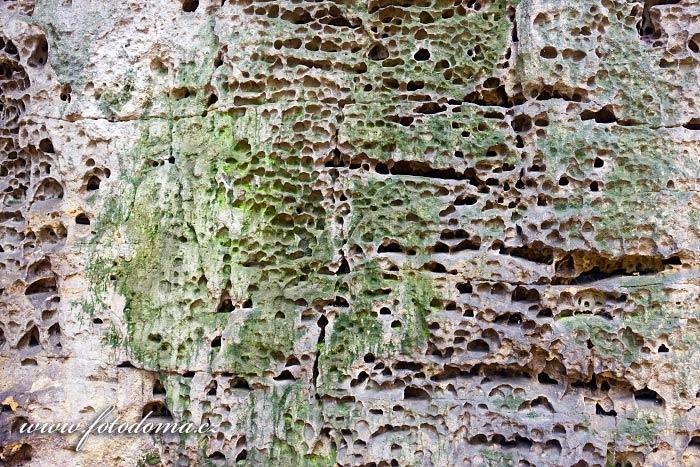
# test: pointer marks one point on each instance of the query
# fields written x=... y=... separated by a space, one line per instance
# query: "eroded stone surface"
x=352 y=233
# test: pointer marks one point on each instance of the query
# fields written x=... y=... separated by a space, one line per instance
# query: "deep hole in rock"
x=693 y=124
x=240 y=383
x=390 y=247
x=378 y=52
x=46 y=145
x=429 y=108
x=694 y=442
x=422 y=55
x=82 y=219
x=413 y=392
x=217 y=456
x=242 y=456
x=158 y=409
x=46 y=285
x=549 y=52
x=600 y=411
x=10 y=48
x=648 y=395
x=478 y=345
x=423 y=169
x=522 y=123
x=694 y=43
x=225 y=307
x=434 y=266
x=286 y=375
x=381 y=168
x=158 y=387
x=544 y=378
x=599 y=267
x=466 y=200
x=30 y=339
x=536 y=252
x=604 y=115
x=465 y=287
x=40 y=53
x=190 y=5
x=93 y=183
x=344 y=267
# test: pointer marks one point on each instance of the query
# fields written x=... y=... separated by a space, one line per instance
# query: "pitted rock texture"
x=384 y=233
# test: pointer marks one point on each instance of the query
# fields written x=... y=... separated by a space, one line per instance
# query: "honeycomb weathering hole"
x=190 y=5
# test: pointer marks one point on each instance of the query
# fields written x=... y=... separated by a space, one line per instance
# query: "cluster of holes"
x=483 y=315
x=30 y=188
x=27 y=184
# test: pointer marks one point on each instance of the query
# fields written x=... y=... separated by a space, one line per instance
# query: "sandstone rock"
x=380 y=233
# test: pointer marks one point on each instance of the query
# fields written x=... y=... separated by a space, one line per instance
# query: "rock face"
x=383 y=233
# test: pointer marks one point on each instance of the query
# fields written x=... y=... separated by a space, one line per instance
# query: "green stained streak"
x=398 y=209
x=633 y=201
x=293 y=409
x=643 y=429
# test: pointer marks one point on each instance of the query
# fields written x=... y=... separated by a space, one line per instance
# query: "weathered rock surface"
x=384 y=233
